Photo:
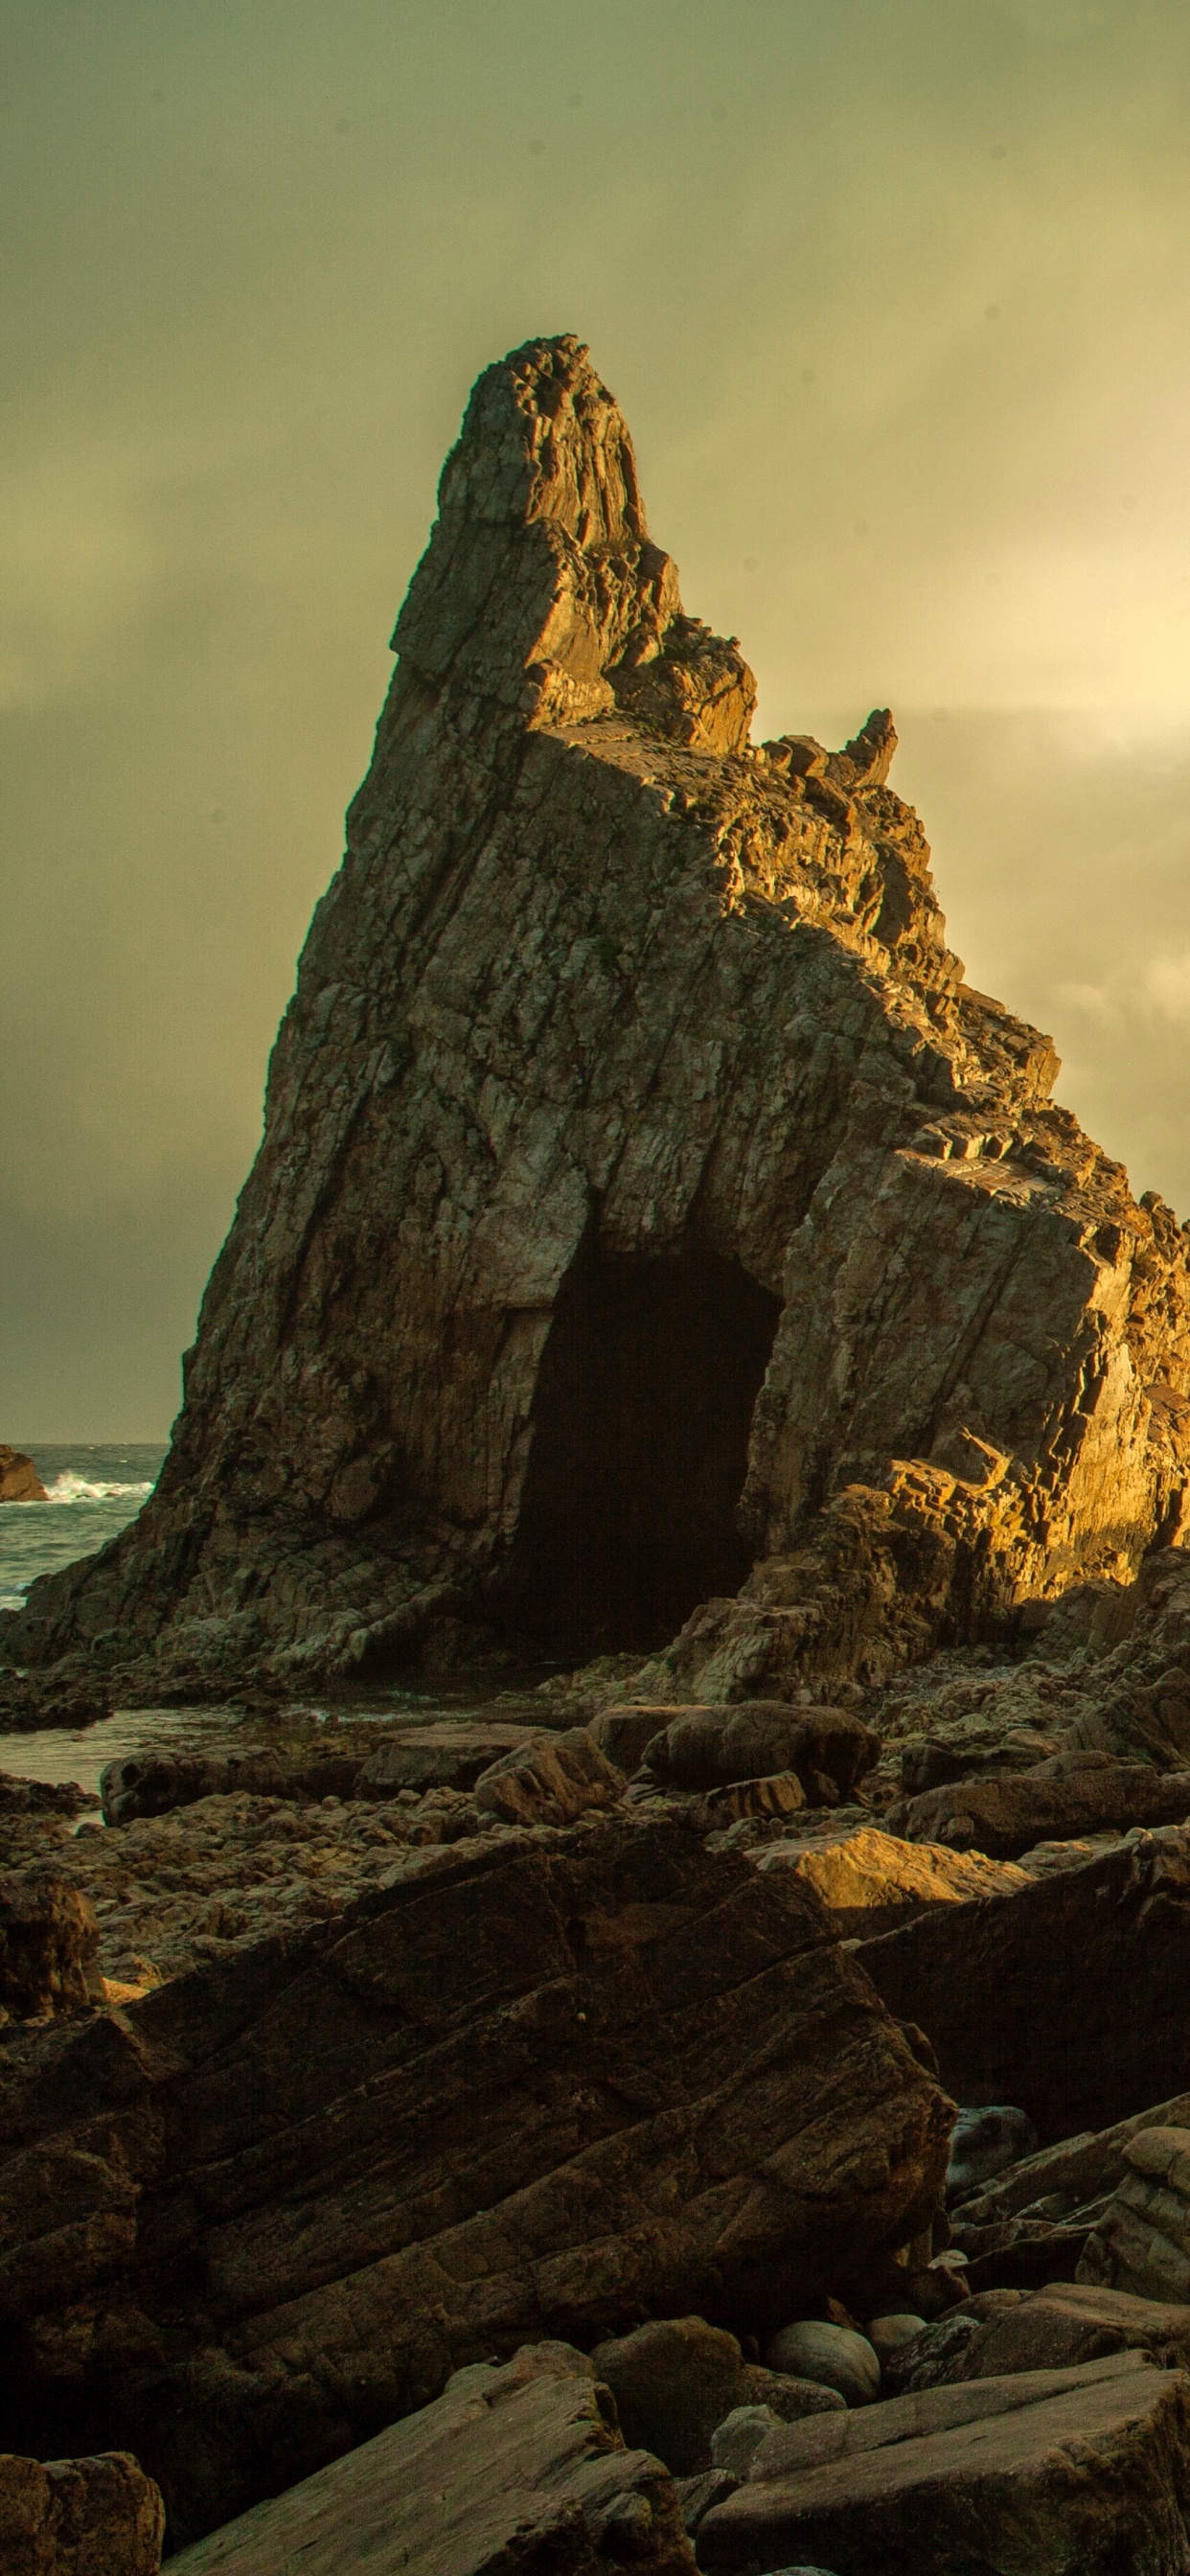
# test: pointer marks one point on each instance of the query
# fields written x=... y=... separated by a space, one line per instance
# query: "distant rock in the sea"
x=19 y=1480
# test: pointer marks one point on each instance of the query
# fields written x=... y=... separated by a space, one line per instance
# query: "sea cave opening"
x=639 y=1451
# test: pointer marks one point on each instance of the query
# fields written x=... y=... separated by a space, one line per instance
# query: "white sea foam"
x=69 y=1488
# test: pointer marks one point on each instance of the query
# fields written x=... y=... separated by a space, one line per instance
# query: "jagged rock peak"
x=650 y=1226
x=540 y=587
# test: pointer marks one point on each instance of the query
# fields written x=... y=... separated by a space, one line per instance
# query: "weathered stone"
x=49 y=1938
x=447 y=1755
x=1077 y=2170
x=1005 y=1817
x=1142 y=2240
x=540 y=2085
x=736 y=2441
x=708 y=1748
x=780 y=1793
x=1064 y=2324
x=646 y=1207
x=1065 y=2471
x=1068 y=1999
x=516 y=2467
x=887 y=2334
x=19 y=1480
x=696 y=2495
x=90 y=2517
x=154 y=1784
x=625 y=1733
x=833 y=2355
x=676 y=2379
x=870 y=1881
x=551 y=1781
x=984 y=2142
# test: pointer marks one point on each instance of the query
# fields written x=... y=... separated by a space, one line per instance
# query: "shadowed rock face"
x=644 y=1197
x=550 y=2086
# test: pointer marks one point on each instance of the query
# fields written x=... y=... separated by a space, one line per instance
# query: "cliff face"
x=647 y=1208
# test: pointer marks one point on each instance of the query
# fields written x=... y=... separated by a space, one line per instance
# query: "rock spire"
x=652 y=1231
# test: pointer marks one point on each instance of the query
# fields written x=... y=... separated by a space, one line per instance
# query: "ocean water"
x=93 y=1491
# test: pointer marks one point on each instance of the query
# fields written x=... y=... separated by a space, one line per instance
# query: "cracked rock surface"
x=655 y=1241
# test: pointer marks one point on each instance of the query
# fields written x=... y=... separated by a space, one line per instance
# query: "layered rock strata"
x=550 y=2086
x=647 y=1207
x=1068 y=1998
x=521 y=2467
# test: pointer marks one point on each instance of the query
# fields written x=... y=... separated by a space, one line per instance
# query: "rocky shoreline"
x=729 y=2107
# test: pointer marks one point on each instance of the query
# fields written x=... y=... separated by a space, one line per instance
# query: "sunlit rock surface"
x=647 y=1208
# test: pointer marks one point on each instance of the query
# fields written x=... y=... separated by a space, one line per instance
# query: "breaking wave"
x=70 y=1488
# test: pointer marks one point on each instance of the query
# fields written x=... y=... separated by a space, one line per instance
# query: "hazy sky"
x=896 y=296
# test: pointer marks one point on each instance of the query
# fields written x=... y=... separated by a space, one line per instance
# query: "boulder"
x=870 y=1881
x=780 y=1794
x=153 y=1784
x=552 y=1780
x=19 y=1480
x=89 y=2517
x=890 y=2334
x=985 y=2140
x=1063 y=2471
x=673 y=2382
x=1003 y=2331
x=1006 y=1816
x=520 y=2466
x=449 y=1754
x=1142 y=2240
x=833 y=2355
x=625 y=1732
x=706 y=1748
x=675 y=2379
x=1069 y=2000
x=534 y=2085
x=49 y=1938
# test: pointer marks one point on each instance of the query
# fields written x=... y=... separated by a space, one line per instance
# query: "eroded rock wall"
x=633 y=1145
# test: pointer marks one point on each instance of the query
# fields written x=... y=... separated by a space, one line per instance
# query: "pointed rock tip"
x=871 y=749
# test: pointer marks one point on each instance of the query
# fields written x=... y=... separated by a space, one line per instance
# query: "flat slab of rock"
x=871 y=1881
x=1059 y=2327
x=440 y=1756
x=519 y=2467
x=1076 y=2170
x=1064 y=2472
x=91 y=2517
x=1006 y=1816
x=542 y=2085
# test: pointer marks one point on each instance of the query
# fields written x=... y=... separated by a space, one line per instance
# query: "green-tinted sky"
x=896 y=296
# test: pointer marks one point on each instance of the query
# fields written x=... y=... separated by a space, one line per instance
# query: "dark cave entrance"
x=640 y=1448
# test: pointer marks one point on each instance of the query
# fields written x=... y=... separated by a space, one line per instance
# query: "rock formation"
x=647 y=1208
x=19 y=1480
x=94 y=2517
x=548 y=2086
